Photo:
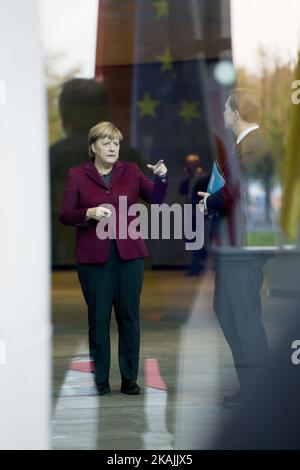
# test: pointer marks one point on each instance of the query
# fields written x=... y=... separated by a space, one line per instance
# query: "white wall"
x=24 y=233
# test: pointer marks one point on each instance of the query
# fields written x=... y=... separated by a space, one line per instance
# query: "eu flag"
x=169 y=112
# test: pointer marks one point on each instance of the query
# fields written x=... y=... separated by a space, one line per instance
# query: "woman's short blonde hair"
x=103 y=130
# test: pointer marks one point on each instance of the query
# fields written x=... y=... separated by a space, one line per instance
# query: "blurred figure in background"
x=195 y=179
x=81 y=104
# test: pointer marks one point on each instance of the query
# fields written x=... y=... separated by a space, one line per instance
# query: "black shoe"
x=102 y=388
x=130 y=387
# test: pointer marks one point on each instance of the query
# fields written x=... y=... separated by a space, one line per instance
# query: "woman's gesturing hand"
x=98 y=213
x=159 y=168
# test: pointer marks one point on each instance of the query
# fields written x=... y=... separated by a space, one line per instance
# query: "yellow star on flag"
x=166 y=60
x=162 y=8
x=189 y=111
x=147 y=106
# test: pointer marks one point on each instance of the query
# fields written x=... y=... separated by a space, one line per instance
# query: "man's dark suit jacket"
x=251 y=159
x=85 y=189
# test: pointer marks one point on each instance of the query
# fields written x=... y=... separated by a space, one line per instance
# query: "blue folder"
x=216 y=181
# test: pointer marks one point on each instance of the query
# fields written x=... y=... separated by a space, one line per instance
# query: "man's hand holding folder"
x=216 y=182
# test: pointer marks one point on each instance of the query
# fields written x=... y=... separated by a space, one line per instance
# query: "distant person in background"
x=195 y=179
x=82 y=103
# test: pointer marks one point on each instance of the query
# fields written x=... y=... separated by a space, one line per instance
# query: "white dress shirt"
x=247 y=131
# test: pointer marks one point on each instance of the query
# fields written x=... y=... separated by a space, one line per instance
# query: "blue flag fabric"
x=169 y=116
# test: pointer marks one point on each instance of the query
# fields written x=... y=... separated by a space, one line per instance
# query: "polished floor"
x=185 y=369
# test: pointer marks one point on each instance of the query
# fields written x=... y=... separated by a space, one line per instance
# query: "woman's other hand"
x=98 y=213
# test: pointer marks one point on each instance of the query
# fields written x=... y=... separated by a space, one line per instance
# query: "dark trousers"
x=237 y=304
x=115 y=283
x=199 y=258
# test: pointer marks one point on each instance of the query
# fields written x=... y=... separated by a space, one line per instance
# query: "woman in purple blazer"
x=110 y=270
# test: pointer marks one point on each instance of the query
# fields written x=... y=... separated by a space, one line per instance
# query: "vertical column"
x=24 y=233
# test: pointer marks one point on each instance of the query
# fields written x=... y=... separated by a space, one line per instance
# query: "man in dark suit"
x=239 y=273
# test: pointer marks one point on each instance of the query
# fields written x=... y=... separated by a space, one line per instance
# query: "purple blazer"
x=85 y=188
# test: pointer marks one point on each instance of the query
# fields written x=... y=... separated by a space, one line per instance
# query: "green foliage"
x=261 y=239
x=53 y=84
x=273 y=84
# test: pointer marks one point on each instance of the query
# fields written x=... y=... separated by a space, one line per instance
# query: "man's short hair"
x=82 y=103
x=247 y=103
